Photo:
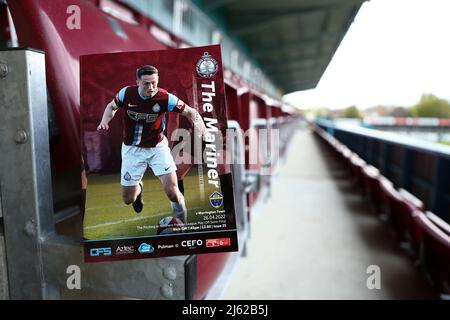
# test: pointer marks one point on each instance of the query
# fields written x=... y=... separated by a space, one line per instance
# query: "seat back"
x=369 y=176
x=441 y=224
x=385 y=189
x=357 y=164
x=412 y=199
x=435 y=253
x=401 y=214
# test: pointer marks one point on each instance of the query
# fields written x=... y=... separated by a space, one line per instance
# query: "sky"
x=394 y=51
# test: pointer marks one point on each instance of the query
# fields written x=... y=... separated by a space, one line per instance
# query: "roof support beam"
x=291 y=70
x=258 y=18
x=290 y=61
x=303 y=41
x=217 y=4
x=297 y=43
x=299 y=85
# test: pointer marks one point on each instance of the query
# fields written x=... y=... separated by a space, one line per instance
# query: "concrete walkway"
x=316 y=237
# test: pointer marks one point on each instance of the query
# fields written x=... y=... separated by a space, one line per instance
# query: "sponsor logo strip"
x=219 y=242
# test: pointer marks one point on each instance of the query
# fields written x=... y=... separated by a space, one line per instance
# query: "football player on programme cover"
x=144 y=143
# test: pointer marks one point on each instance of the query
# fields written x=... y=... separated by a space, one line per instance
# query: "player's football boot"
x=138 y=204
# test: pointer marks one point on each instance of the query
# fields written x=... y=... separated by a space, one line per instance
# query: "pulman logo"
x=216 y=199
x=100 y=252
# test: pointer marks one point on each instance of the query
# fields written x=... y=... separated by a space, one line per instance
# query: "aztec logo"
x=100 y=252
x=216 y=199
x=146 y=248
x=124 y=250
x=207 y=66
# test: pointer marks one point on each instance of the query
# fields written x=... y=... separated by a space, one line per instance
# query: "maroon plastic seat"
x=410 y=207
x=370 y=176
x=441 y=224
x=412 y=199
x=356 y=166
x=391 y=198
x=336 y=145
x=385 y=186
x=344 y=153
x=400 y=215
x=435 y=253
x=378 y=196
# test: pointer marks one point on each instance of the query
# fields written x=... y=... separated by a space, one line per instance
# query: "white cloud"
x=394 y=51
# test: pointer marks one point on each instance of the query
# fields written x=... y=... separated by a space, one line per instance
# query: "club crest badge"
x=156 y=108
x=207 y=66
x=216 y=199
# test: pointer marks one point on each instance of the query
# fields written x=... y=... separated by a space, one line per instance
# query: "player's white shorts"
x=136 y=159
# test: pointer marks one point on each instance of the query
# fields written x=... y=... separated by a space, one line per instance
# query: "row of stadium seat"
x=423 y=235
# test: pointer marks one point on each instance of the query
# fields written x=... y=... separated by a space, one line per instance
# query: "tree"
x=399 y=112
x=322 y=113
x=431 y=106
x=351 y=112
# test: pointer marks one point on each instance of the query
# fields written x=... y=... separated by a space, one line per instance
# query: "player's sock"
x=181 y=186
x=179 y=208
x=138 y=204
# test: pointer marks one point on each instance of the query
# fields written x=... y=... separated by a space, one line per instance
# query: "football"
x=169 y=225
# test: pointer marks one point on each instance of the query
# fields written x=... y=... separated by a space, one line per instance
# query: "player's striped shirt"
x=144 y=117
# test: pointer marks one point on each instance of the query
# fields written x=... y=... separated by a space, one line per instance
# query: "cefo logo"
x=192 y=243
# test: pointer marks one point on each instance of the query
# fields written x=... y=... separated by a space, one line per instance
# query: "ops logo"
x=100 y=252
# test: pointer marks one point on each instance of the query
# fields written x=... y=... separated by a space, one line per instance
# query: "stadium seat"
x=356 y=165
x=378 y=198
x=389 y=197
x=435 y=254
x=336 y=145
x=404 y=214
x=370 y=176
x=402 y=217
x=411 y=199
x=345 y=156
x=441 y=224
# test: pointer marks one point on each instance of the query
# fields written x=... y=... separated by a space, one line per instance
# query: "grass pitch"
x=107 y=217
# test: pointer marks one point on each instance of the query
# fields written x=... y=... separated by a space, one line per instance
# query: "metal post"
x=4 y=293
x=24 y=169
x=440 y=193
x=407 y=169
x=237 y=147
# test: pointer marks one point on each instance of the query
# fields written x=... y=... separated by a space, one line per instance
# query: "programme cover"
x=153 y=127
